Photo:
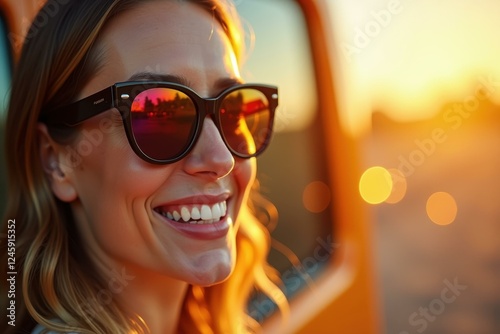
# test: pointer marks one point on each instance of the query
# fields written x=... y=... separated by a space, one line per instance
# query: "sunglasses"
x=164 y=120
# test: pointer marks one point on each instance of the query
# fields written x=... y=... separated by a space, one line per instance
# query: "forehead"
x=174 y=37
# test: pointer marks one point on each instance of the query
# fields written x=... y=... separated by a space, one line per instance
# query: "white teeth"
x=185 y=214
x=177 y=216
x=206 y=213
x=216 y=212
x=203 y=214
x=223 y=208
x=195 y=213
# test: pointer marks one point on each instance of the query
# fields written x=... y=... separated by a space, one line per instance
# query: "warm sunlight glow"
x=278 y=53
x=399 y=186
x=375 y=185
x=234 y=63
x=441 y=208
x=316 y=197
x=407 y=58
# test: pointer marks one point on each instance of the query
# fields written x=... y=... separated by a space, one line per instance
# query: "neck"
x=149 y=297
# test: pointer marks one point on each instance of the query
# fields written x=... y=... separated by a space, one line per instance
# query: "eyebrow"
x=150 y=76
x=219 y=84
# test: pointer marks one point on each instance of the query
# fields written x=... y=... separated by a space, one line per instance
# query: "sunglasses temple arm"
x=82 y=110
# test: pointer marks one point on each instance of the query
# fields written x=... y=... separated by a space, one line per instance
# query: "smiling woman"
x=132 y=144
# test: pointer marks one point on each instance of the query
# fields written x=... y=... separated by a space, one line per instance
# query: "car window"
x=292 y=172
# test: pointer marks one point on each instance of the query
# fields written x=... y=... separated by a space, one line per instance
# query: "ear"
x=52 y=158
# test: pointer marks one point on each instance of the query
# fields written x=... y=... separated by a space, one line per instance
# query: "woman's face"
x=124 y=205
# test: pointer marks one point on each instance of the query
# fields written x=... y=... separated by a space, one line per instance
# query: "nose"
x=210 y=155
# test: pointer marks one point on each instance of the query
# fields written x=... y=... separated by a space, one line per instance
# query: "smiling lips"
x=195 y=214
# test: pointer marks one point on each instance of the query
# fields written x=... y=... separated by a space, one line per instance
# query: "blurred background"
x=420 y=92
x=383 y=168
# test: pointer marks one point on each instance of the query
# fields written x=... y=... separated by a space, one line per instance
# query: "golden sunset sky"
x=408 y=57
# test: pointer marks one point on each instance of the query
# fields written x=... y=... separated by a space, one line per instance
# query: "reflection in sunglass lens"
x=245 y=118
x=163 y=122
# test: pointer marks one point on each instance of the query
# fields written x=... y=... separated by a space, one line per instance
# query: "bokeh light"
x=399 y=186
x=375 y=185
x=316 y=196
x=441 y=208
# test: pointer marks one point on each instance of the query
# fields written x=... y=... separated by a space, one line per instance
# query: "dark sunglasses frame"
x=121 y=94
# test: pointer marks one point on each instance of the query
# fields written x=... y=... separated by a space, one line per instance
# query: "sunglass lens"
x=245 y=121
x=163 y=122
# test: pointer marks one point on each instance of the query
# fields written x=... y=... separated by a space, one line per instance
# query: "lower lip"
x=202 y=231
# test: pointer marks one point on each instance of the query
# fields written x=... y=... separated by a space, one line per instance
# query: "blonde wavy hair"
x=54 y=274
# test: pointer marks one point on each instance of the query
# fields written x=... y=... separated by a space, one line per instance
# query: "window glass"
x=292 y=171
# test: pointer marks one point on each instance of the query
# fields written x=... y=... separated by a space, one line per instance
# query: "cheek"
x=245 y=172
x=114 y=198
x=94 y=142
x=111 y=180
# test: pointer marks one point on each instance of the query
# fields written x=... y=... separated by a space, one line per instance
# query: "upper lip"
x=196 y=200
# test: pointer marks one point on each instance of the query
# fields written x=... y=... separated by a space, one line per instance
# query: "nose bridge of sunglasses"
x=208 y=109
x=212 y=109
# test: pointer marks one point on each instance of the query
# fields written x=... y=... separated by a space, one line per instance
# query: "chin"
x=213 y=268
